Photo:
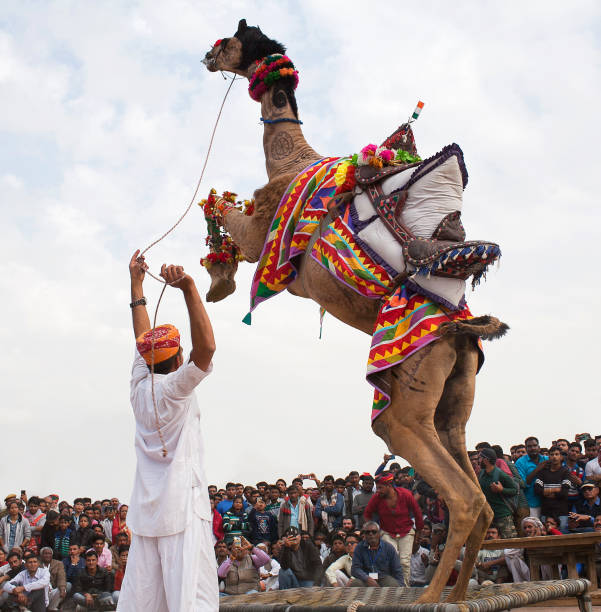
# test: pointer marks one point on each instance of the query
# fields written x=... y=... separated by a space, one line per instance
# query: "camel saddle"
x=445 y=253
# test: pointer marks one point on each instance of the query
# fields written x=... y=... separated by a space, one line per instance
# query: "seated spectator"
x=499 y=490
x=551 y=485
x=395 y=508
x=532 y=528
x=419 y=563
x=375 y=562
x=221 y=552
x=235 y=521
x=330 y=505
x=299 y=561
x=105 y=557
x=552 y=525
x=73 y=564
x=93 y=586
x=84 y=534
x=120 y=573
x=490 y=564
x=296 y=512
x=13 y=567
x=362 y=498
x=263 y=525
x=348 y=526
x=585 y=510
x=62 y=538
x=240 y=570
x=29 y=588
x=14 y=528
x=338 y=573
x=122 y=539
x=320 y=541
x=337 y=550
x=58 y=579
x=270 y=572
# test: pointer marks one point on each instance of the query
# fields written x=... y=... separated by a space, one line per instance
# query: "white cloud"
x=108 y=111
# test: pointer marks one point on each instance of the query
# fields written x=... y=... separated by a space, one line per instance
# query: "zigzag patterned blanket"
x=406 y=320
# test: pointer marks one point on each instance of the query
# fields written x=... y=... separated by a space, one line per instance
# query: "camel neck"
x=284 y=144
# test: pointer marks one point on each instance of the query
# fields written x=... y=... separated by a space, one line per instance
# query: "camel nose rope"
x=164 y=282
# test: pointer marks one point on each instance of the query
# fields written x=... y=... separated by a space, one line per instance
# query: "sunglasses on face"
x=369 y=531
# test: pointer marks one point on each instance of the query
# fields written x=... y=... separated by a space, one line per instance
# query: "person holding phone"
x=171 y=563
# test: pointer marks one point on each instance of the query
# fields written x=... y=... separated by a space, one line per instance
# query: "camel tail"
x=486 y=327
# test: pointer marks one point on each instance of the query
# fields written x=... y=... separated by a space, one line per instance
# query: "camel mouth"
x=210 y=62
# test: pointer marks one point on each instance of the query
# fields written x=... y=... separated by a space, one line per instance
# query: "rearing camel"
x=432 y=391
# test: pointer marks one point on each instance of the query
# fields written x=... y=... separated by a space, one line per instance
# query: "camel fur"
x=432 y=390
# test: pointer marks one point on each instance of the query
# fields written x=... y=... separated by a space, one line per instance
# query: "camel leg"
x=451 y=416
x=407 y=426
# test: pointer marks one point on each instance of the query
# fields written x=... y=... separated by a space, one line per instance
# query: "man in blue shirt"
x=375 y=562
x=528 y=467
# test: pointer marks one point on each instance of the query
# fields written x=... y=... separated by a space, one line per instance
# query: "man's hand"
x=387 y=457
x=18 y=589
x=62 y=592
x=372 y=582
x=89 y=600
x=496 y=487
x=137 y=268
x=22 y=598
x=174 y=275
x=246 y=544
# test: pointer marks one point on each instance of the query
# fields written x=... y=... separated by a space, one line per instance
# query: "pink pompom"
x=386 y=155
x=369 y=150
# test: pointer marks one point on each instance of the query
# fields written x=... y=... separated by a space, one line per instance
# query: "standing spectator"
x=517 y=451
x=361 y=500
x=577 y=471
x=263 y=526
x=73 y=564
x=295 y=512
x=93 y=586
x=375 y=561
x=274 y=501
x=240 y=571
x=120 y=573
x=235 y=521
x=226 y=504
x=14 y=528
x=49 y=529
x=218 y=533
x=526 y=465
x=62 y=538
x=120 y=522
x=395 y=506
x=551 y=485
x=78 y=508
x=105 y=557
x=30 y=587
x=299 y=561
x=351 y=491
x=58 y=578
x=522 y=509
x=36 y=519
x=590 y=452
x=282 y=486
x=592 y=470
x=499 y=489
x=330 y=505
x=107 y=522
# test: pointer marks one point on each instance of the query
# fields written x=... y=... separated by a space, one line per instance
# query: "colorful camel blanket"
x=406 y=321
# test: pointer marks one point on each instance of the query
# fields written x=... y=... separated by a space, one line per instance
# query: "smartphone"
x=22 y=491
x=237 y=541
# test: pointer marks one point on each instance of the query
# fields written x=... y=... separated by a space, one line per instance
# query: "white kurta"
x=169 y=513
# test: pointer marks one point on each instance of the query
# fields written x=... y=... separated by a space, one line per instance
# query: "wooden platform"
x=392 y=599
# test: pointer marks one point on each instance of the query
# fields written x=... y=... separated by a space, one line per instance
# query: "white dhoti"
x=173 y=573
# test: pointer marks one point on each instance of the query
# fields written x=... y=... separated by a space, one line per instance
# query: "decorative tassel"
x=247 y=319
x=322 y=313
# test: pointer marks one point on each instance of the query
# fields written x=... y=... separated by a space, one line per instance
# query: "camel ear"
x=241 y=27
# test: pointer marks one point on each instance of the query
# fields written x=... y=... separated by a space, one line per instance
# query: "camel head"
x=240 y=53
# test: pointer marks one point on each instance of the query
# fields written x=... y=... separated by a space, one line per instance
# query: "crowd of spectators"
x=385 y=529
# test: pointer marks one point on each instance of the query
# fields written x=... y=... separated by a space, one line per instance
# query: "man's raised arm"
x=139 y=314
x=201 y=330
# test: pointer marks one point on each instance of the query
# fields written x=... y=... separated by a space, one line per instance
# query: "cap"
x=10 y=496
x=365 y=475
x=588 y=484
x=489 y=454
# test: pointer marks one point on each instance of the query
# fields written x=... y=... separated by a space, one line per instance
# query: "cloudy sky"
x=106 y=111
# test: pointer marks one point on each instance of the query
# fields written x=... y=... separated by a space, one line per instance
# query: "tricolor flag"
x=418 y=110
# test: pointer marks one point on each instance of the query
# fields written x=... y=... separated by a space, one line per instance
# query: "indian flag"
x=418 y=110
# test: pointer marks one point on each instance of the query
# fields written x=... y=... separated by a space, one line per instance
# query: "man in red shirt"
x=395 y=506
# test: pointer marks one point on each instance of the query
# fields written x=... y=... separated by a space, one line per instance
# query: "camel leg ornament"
x=432 y=390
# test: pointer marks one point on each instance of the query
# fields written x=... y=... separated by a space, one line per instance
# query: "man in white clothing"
x=171 y=564
x=30 y=587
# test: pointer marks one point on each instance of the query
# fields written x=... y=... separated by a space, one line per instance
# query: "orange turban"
x=166 y=343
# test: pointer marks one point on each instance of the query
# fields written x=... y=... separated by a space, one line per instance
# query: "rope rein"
x=163 y=281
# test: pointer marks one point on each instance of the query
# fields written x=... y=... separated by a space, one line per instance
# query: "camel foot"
x=428 y=596
x=456 y=595
x=220 y=289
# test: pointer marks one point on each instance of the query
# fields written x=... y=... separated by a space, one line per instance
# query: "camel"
x=432 y=390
